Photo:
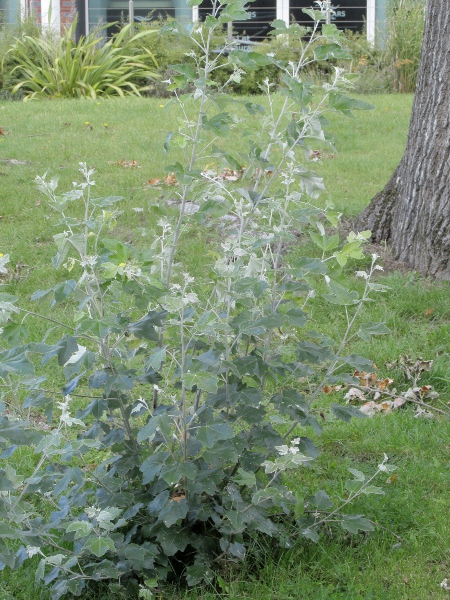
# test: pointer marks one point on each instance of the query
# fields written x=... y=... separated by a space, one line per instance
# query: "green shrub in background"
x=380 y=70
x=177 y=407
x=168 y=50
x=171 y=48
x=368 y=62
x=51 y=66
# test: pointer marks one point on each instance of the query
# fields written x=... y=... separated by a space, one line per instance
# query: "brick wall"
x=36 y=8
x=68 y=11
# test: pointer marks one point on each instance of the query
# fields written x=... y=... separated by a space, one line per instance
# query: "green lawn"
x=408 y=555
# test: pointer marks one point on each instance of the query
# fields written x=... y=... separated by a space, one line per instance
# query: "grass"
x=55 y=136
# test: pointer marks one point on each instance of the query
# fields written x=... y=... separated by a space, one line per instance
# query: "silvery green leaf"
x=366 y=330
x=344 y=104
x=353 y=486
x=310 y=534
x=214 y=432
x=197 y=573
x=203 y=380
x=321 y=500
x=81 y=528
x=15 y=361
x=155 y=359
x=173 y=512
x=373 y=489
x=345 y=413
x=4 y=260
x=358 y=475
x=355 y=523
x=246 y=478
x=100 y=546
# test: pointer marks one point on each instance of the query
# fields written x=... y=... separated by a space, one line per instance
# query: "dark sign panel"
x=262 y=13
x=348 y=14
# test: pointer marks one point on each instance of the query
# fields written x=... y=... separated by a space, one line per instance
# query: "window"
x=112 y=11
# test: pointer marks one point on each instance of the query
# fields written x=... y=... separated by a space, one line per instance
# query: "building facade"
x=348 y=14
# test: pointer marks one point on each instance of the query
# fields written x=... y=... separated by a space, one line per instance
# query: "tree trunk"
x=412 y=213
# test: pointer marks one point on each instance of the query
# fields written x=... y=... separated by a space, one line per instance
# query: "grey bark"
x=412 y=213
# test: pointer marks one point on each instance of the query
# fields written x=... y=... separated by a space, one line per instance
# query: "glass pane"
x=113 y=11
x=9 y=11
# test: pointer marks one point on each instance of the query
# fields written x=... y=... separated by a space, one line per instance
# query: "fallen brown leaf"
x=328 y=389
x=127 y=164
x=170 y=179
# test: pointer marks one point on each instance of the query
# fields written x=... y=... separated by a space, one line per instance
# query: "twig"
x=324 y=512
x=34 y=314
x=420 y=403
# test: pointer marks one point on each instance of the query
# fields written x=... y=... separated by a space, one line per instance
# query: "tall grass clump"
x=405 y=27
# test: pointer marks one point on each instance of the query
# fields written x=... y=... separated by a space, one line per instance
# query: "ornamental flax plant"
x=177 y=404
x=50 y=66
